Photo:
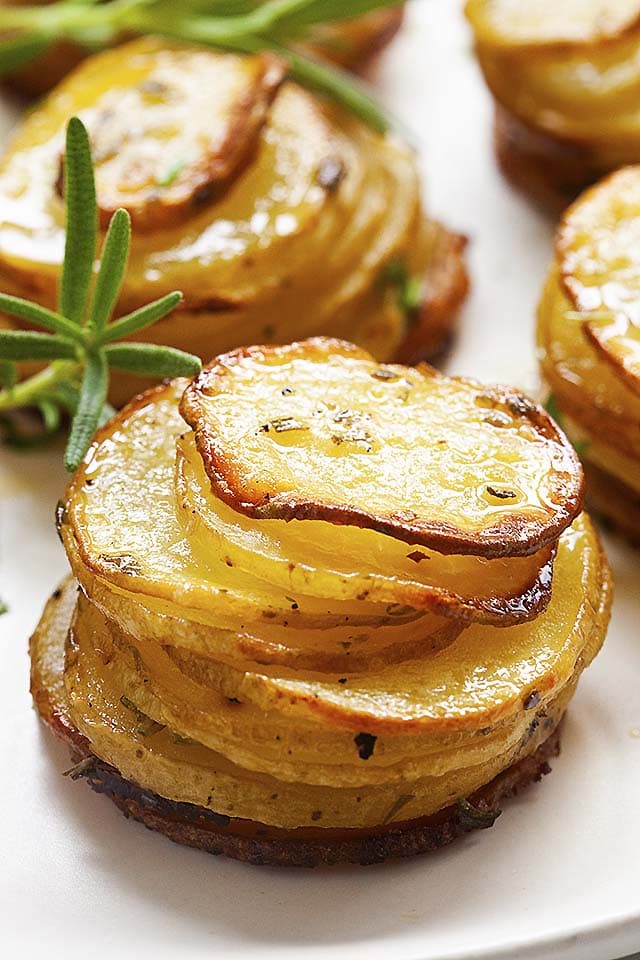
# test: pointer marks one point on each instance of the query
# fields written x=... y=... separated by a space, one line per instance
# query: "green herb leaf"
x=552 y=408
x=151 y=360
x=93 y=394
x=409 y=288
x=50 y=415
x=8 y=374
x=34 y=313
x=172 y=174
x=141 y=318
x=113 y=264
x=30 y=345
x=471 y=817
x=82 y=223
x=3 y=607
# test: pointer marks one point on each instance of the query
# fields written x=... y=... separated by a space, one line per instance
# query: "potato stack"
x=323 y=609
x=589 y=340
x=566 y=80
x=279 y=214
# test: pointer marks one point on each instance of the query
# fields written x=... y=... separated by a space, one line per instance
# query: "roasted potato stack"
x=566 y=79
x=589 y=341
x=277 y=214
x=350 y=43
x=337 y=614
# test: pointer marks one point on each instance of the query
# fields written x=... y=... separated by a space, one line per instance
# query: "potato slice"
x=323 y=559
x=175 y=139
x=164 y=692
x=331 y=645
x=589 y=388
x=530 y=23
x=127 y=525
x=599 y=263
x=319 y=431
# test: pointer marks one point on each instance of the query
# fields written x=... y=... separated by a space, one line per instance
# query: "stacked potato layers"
x=589 y=339
x=336 y=615
x=566 y=80
x=239 y=185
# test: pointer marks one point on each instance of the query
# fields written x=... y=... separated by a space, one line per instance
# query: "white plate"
x=559 y=875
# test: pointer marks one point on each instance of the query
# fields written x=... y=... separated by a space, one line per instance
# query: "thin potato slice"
x=325 y=560
x=599 y=260
x=319 y=431
x=531 y=23
x=198 y=119
x=331 y=647
x=590 y=389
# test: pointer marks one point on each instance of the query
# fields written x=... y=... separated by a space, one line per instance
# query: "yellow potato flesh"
x=514 y=23
x=588 y=386
x=572 y=73
x=600 y=266
x=320 y=430
x=248 y=260
x=326 y=560
x=589 y=325
x=126 y=525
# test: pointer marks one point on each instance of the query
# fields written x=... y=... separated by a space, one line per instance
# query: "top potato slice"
x=319 y=431
x=598 y=253
x=516 y=23
x=179 y=133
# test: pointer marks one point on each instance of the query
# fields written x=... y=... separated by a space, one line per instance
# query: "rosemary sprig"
x=242 y=26
x=81 y=335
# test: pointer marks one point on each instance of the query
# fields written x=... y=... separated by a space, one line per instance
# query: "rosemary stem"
x=29 y=392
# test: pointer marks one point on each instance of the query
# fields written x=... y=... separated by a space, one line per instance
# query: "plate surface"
x=558 y=878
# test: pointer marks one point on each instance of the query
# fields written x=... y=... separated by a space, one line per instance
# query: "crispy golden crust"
x=511 y=536
x=552 y=172
x=219 y=145
x=614 y=501
x=446 y=285
x=256 y=843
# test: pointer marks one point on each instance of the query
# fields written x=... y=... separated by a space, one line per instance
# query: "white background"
x=559 y=875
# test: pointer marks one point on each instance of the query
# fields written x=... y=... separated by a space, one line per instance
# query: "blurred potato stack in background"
x=277 y=213
x=589 y=341
x=566 y=80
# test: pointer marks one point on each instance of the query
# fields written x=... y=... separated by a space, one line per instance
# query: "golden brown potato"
x=590 y=339
x=277 y=214
x=315 y=675
x=350 y=43
x=565 y=78
x=314 y=431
